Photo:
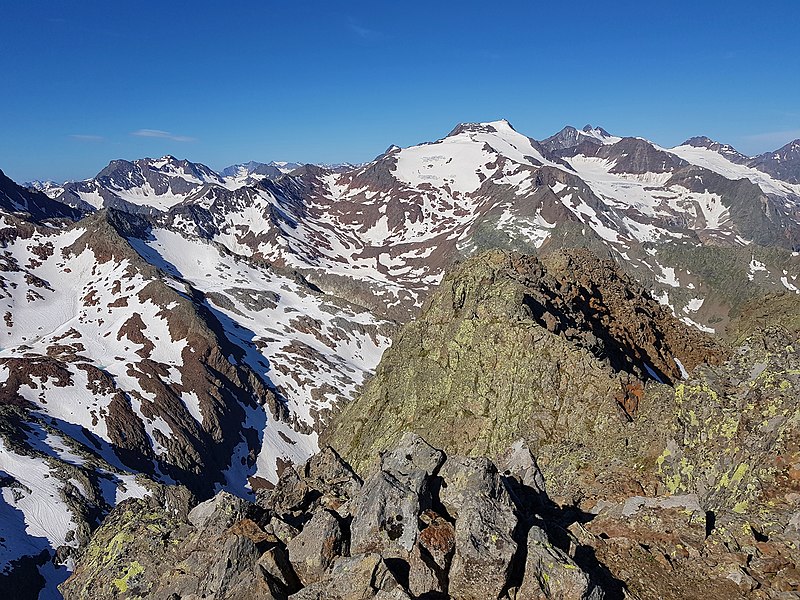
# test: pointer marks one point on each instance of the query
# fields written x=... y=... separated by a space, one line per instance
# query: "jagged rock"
x=327 y=473
x=519 y=462
x=315 y=548
x=551 y=574
x=212 y=572
x=291 y=493
x=412 y=454
x=277 y=571
x=468 y=479
x=484 y=549
x=473 y=493
x=359 y=577
x=147 y=548
x=425 y=576
x=430 y=560
x=282 y=530
x=385 y=514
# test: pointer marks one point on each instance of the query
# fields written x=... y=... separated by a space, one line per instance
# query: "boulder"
x=278 y=573
x=385 y=514
x=552 y=574
x=315 y=548
x=484 y=549
x=359 y=577
x=333 y=478
x=466 y=478
x=412 y=454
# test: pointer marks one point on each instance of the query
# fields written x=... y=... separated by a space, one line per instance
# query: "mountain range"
x=167 y=324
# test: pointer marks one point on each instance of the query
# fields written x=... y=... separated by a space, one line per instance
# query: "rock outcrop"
x=424 y=526
x=565 y=351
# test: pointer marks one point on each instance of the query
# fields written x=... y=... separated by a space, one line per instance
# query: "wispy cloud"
x=165 y=135
x=81 y=137
x=365 y=33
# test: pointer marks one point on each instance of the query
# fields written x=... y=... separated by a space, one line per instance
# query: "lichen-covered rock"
x=327 y=473
x=386 y=513
x=550 y=574
x=484 y=549
x=519 y=462
x=420 y=528
x=483 y=367
x=217 y=514
x=474 y=494
x=411 y=454
x=468 y=479
x=148 y=549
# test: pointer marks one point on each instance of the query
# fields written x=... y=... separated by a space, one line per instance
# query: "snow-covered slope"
x=129 y=350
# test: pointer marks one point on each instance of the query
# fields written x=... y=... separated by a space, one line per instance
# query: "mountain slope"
x=783 y=164
x=39 y=207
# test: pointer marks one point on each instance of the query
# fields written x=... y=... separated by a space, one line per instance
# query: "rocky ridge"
x=512 y=345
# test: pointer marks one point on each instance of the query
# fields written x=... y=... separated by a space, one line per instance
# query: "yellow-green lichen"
x=133 y=570
x=662 y=457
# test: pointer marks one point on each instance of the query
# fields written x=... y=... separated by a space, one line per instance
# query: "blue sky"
x=86 y=81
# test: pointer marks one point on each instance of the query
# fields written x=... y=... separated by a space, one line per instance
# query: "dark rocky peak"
x=566 y=138
x=172 y=166
x=115 y=168
x=596 y=131
x=783 y=164
x=701 y=141
x=119 y=175
x=309 y=170
x=34 y=204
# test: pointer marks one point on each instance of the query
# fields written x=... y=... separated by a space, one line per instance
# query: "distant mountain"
x=49 y=188
x=783 y=164
x=144 y=185
x=726 y=150
x=569 y=137
x=251 y=173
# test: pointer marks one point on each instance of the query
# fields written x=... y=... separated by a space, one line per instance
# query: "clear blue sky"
x=325 y=81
